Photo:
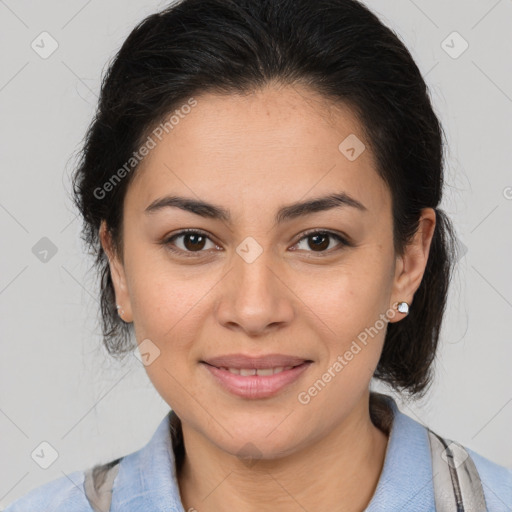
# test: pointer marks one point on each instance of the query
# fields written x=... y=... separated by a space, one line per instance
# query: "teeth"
x=246 y=372
x=265 y=371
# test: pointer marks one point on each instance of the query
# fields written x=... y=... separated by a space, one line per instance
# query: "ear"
x=410 y=267
x=118 y=274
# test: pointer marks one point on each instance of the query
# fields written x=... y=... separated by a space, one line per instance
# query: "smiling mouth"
x=263 y=372
x=256 y=383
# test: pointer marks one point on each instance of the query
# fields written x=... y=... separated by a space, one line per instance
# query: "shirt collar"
x=147 y=480
x=406 y=481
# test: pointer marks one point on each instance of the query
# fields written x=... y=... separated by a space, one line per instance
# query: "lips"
x=243 y=362
x=256 y=385
x=255 y=377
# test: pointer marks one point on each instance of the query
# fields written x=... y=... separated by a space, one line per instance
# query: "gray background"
x=57 y=383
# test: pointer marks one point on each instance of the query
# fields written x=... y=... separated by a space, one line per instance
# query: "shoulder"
x=414 y=455
x=475 y=476
x=128 y=482
x=63 y=494
x=496 y=482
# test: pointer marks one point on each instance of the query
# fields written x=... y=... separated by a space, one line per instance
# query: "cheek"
x=170 y=310
x=164 y=296
x=350 y=317
x=346 y=300
x=349 y=308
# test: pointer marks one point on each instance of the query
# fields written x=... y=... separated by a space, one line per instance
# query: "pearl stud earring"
x=403 y=307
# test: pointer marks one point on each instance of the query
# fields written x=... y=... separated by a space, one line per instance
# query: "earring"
x=403 y=307
x=120 y=313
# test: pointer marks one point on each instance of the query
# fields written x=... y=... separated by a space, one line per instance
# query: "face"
x=312 y=283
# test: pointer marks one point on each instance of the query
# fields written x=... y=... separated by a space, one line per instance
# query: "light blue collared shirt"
x=146 y=481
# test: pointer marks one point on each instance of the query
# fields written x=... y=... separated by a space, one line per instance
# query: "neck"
x=332 y=473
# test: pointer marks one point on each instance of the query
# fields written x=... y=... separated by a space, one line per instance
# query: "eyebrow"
x=286 y=213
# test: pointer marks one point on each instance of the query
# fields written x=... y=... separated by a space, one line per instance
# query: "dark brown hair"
x=339 y=49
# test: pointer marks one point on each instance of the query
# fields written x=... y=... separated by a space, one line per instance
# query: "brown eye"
x=193 y=241
x=320 y=241
x=190 y=242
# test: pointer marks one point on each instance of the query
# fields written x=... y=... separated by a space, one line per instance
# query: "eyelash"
x=168 y=242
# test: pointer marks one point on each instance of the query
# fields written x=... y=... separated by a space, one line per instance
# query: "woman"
x=261 y=187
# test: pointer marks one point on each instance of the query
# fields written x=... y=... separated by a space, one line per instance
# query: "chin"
x=257 y=441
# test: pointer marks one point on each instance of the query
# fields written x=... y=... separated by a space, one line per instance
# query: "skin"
x=253 y=154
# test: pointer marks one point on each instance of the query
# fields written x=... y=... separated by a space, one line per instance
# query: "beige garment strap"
x=98 y=484
x=457 y=484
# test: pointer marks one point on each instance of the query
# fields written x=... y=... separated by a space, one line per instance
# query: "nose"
x=254 y=297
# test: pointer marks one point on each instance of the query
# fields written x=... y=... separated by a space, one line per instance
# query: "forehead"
x=278 y=144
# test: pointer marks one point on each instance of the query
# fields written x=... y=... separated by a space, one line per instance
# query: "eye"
x=193 y=241
x=320 y=241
